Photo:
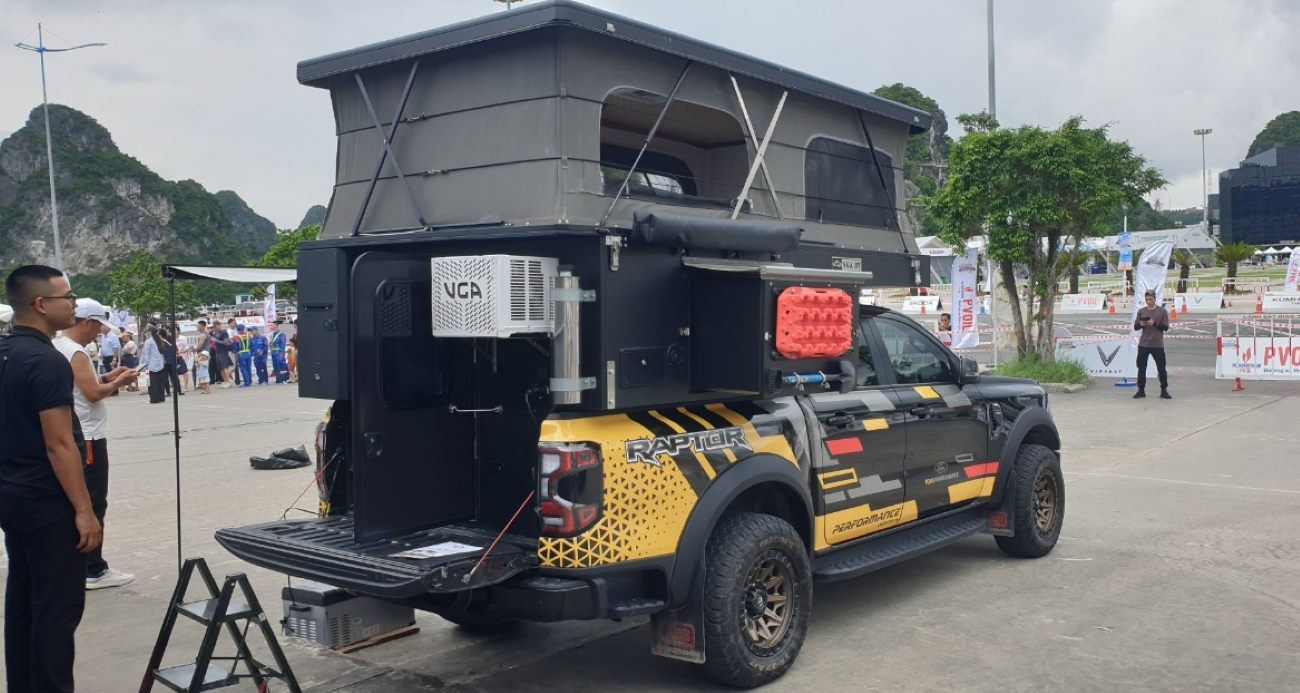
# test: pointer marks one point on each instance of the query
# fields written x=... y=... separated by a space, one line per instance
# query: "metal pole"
x=49 y=152
x=176 y=426
x=993 y=102
x=654 y=130
x=1205 y=190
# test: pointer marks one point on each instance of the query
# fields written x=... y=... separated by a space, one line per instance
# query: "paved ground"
x=1177 y=569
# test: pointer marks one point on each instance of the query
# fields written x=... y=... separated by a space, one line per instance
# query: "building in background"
x=1259 y=202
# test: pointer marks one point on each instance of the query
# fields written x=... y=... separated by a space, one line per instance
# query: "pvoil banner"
x=965 y=300
x=1150 y=275
x=1293 y=273
x=269 y=311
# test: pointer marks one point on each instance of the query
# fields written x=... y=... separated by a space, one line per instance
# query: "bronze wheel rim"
x=766 y=609
x=1045 y=502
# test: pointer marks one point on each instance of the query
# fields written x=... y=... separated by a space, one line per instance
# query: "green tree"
x=1036 y=191
x=1184 y=258
x=139 y=286
x=1232 y=254
x=284 y=253
x=1281 y=131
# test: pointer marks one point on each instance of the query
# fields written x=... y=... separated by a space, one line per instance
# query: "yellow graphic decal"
x=966 y=490
x=775 y=445
x=875 y=424
x=852 y=523
x=699 y=457
x=926 y=392
x=645 y=508
x=838 y=479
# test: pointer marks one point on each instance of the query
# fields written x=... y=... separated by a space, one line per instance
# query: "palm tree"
x=1231 y=254
x=1184 y=258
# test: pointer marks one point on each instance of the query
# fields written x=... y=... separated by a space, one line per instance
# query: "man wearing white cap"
x=89 y=391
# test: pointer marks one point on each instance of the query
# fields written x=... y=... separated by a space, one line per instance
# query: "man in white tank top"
x=89 y=391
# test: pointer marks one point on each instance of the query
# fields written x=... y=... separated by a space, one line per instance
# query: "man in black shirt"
x=45 y=511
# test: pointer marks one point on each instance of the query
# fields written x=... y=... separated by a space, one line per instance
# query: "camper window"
x=842 y=185
x=697 y=156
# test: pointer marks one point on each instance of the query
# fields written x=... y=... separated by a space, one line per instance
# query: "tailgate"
x=325 y=550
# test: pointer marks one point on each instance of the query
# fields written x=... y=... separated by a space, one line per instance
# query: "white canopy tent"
x=6 y=313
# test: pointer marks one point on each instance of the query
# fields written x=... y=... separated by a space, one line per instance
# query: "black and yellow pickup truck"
x=586 y=308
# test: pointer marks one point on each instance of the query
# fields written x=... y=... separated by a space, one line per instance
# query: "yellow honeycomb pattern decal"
x=645 y=508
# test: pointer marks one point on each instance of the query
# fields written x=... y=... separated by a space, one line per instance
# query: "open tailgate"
x=325 y=550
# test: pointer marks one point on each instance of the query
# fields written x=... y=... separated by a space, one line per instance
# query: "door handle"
x=839 y=420
x=920 y=411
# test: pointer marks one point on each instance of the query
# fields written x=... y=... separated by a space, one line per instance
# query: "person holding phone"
x=1153 y=321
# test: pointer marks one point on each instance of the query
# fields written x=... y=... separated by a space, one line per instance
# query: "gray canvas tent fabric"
x=241 y=275
x=516 y=119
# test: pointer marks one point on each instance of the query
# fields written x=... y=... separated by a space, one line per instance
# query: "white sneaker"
x=109 y=578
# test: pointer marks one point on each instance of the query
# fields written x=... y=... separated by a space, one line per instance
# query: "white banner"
x=268 y=311
x=188 y=326
x=1258 y=358
x=1282 y=303
x=926 y=305
x=1292 y=283
x=965 y=301
x=1203 y=302
x=1149 y=275
x=1103 y=356
x=1125 y=251
x=1083 y=303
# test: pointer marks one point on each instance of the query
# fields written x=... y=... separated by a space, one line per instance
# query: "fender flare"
x=716 y=499
x=1034 y=417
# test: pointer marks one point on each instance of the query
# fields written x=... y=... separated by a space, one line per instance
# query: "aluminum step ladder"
x=222 y=608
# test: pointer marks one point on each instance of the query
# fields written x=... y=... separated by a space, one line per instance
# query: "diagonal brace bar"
x=387 y=138
x=753 y=136
x=672 y=96
x=881 y=173
x=758 y=157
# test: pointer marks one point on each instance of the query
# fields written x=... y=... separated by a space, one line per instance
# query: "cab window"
x=866 y=376
x=914 y=357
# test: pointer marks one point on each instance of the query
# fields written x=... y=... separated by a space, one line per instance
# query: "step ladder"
x=221 y=609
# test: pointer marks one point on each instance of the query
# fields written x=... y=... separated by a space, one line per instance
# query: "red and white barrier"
x=1258 y=348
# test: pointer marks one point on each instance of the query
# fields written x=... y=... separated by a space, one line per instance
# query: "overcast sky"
x=206 y=90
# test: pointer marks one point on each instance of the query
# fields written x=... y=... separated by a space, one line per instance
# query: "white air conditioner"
x=493 y=295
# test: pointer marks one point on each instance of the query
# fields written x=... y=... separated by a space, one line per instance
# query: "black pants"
x=157 y=380
x=97 y=484
x=1157 y=353
x=45 y=595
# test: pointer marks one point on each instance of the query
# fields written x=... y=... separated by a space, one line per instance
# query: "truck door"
x=947 y=434
x=412 y=459
x=858 y=467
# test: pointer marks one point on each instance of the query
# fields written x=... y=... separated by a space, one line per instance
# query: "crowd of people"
x=229 y=355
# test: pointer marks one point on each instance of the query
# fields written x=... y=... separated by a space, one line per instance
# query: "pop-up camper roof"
x=538 y=116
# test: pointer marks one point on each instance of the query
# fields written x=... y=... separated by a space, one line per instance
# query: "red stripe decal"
x=844 y=446
x=976 y=470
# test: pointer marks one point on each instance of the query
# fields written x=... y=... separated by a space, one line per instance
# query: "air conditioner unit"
x=494 y=296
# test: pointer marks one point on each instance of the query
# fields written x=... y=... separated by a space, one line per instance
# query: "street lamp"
x=41 y=49
x=1205 y=181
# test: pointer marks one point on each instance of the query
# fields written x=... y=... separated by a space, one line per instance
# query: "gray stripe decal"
x=873 y=484
x=836 y=497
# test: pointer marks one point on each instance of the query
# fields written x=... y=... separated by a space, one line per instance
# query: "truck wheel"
x=757 y=599
x=1037 y=503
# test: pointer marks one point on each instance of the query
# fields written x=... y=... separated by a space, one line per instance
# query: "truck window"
x=866 y=375
x=915 y=357
x=698 y=156
x=841 y=185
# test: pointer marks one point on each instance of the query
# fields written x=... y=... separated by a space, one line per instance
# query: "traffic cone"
x=1173 y=313
x=1112 y=305
x=1237 y=386
x=1259 y=303
x=923 y=308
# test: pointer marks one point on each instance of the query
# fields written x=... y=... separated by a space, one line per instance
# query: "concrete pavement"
x=1176 y=571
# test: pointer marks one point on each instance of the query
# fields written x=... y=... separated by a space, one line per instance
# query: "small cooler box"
x=331 y=617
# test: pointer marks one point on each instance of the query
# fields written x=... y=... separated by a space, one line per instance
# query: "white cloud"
x=207 y=90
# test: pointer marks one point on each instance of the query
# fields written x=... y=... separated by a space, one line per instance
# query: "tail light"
x=570 y=487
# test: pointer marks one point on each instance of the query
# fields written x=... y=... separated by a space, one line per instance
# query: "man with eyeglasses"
x=45 y=510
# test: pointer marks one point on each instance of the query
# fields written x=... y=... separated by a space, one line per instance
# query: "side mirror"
x=970 y=370
x=848 y=376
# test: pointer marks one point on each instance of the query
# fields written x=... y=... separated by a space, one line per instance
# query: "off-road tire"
x=1037 y=472
x=743 y=546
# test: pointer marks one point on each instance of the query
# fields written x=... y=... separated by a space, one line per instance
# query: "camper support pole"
x=383 y=155
x=753 y=136
x=758 y=157
x=654 y=130
x=881 y=173
x=176 y=417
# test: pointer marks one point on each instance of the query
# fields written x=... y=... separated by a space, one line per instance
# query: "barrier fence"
x=1258 y=347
